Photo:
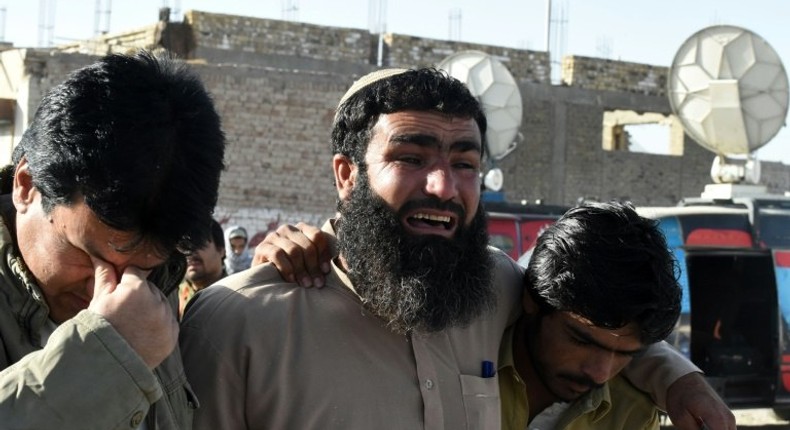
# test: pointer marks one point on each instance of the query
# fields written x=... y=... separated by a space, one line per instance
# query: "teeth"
x=436 y=218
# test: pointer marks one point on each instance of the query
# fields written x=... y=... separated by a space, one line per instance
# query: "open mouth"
x=427 y=223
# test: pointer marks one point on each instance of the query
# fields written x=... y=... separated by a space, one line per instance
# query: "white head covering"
x=367 y=80
x=236 y=263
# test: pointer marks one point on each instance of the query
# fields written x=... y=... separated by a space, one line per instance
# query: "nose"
x=441 y=182
x=601 y=366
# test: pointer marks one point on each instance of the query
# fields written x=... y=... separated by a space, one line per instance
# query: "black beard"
x=419 y=283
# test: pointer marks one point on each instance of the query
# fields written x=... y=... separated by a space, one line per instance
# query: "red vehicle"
x=514 y=228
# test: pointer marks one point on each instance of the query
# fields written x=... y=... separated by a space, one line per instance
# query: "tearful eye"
x=410 y=160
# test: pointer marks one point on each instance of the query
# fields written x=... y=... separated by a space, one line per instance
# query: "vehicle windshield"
x=774 y=227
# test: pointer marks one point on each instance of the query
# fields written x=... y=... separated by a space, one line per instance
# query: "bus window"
x=774 y=228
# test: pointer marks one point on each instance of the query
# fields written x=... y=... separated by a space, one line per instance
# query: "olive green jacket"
x=86 y=376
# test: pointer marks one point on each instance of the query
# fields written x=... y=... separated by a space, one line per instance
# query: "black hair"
x=604 y=262
x=424 y=89
x=217 y=235
x=138 y=138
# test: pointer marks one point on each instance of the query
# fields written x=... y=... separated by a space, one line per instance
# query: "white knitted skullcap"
x=367 y=80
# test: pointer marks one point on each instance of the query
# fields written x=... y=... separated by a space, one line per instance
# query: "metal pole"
x=381 y=27
x=548 y=25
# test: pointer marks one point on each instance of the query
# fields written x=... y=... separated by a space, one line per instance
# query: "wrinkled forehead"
x=428 y=128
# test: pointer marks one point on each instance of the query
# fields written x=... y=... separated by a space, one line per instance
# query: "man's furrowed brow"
x=95 y=252
x=419 y=139
x=465 y=146
x=427 y=140
x=581 y=334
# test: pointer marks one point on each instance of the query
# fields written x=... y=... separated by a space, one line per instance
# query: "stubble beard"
x=415 y=283
x=543 y=366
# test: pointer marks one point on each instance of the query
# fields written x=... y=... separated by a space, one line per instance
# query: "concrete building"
x=276 y=84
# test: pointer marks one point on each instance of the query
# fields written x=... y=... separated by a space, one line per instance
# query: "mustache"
x=433 y=203
x=194 y=258
x=581 y=380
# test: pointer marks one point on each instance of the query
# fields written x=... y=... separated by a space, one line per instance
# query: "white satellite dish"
x=494 y=179
x=494 y=86
x=730 y=91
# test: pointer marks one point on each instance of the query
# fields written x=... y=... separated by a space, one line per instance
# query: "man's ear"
x=23 y=192
x=345 y=175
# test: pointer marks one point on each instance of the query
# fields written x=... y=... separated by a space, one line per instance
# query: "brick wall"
x=775 y=176
x=412 y=51
x=141 y=38
x=610 y=75
x=275 y=37
x=277 y=92
x=278 y=159
x=561 y=157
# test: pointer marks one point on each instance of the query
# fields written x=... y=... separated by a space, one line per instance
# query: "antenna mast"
x=103 y=10
x=548 y=26
x=603 y=47
x=377 y=23
x=2 y=23
x=46 y=22
x=556 y=35
x=455 y=24
x=175 y=11
x=290 y=10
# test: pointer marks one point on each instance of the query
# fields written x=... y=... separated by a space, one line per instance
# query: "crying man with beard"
x=405 y=333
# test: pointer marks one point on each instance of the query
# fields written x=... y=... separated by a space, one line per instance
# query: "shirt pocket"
x=176 y=408
x=481 y=402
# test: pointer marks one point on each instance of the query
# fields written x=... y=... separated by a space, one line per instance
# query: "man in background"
x=94 y=212
x=205 y=266
x=237 y=257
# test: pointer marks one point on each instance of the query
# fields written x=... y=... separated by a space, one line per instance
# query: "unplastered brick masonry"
x=276 y=84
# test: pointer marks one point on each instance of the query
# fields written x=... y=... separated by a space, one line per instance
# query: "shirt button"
x=428 y=384
x=137 y=418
